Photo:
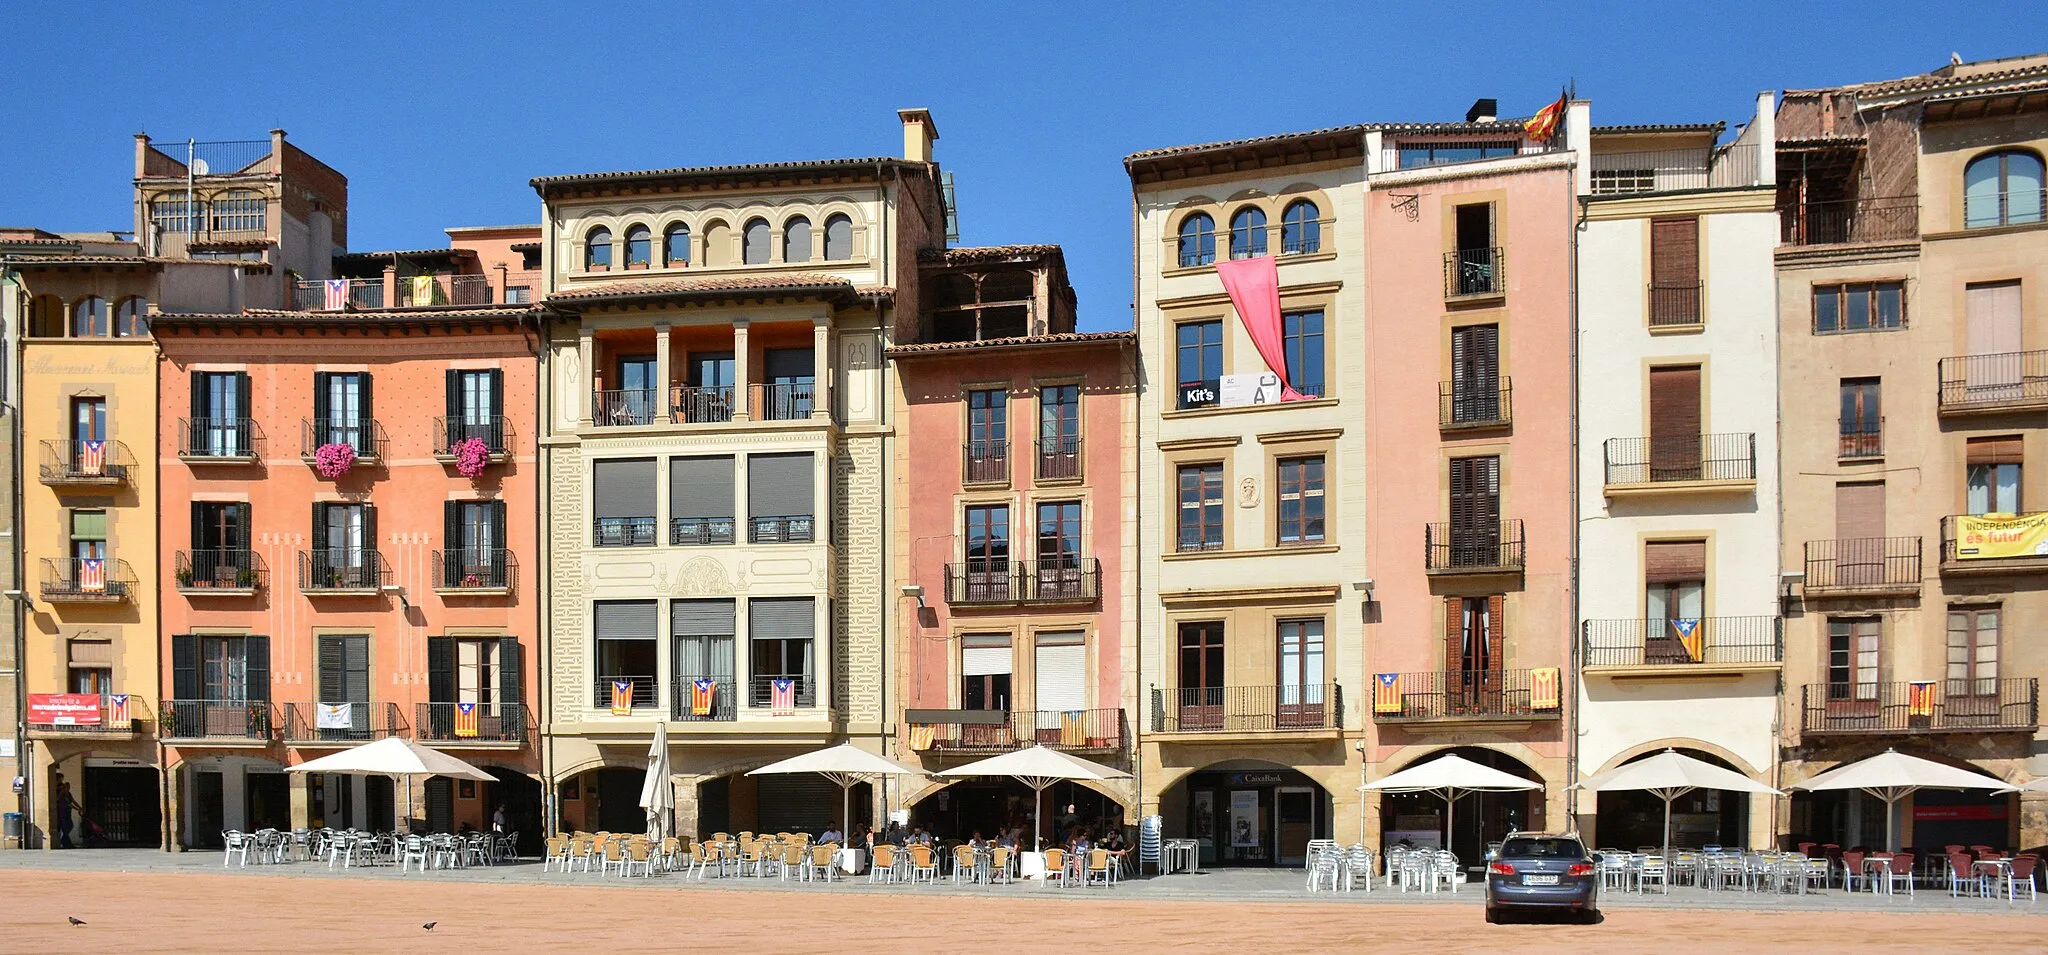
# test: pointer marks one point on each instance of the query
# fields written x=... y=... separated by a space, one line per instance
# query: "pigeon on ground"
x=430 y=926
x=75 y=920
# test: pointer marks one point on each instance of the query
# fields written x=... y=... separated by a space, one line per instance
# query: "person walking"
x=62 y=806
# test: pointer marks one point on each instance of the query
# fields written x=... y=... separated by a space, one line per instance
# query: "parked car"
x=1542 y=872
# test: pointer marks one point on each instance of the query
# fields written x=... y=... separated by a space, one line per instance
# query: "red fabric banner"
x=1254 y=287
x=64 y=709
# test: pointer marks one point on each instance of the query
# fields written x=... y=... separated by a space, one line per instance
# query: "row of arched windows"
x=88 y=317
x=1301 y=232
x=237 y=210
x=756 y=243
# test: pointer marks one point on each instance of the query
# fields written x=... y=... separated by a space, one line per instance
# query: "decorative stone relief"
x=700 y=577
x=1248 y=492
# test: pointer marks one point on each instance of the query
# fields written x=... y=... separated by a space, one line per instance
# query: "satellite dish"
x=199 y=167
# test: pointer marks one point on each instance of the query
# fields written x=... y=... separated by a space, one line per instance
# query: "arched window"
x=2003 y=188
x=1248 y=233
x=46 y=316
x=1197 y=240
x=238 y=210
x=675 y=245
x=838 y=238
x=639 y=246
x=168 y=216
x=796 y=240
x=89 y=318
x=717 y=243
x=131 y=318
x=597 y=250
x=754 y=243
x=1300 y=228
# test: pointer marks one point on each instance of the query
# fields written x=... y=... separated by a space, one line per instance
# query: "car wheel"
x=1492 y=915
x=1593 y=917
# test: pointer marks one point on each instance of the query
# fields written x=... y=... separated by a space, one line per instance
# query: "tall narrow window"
x=1674 y=595
x=781 y=633
x=2003 y=188
x=1853 y=659
x=988 y=436
x=475 y=400
x=1675 y=271
x=1301 y=228
x=1199 y=696
x=87 y=453
x=1301 y=673
x=639 y=246
x=675 y=245
x=796 y=239
x=1475 y=375
x=781 y=498
x=703 y=632
x=985 y=671
x=1197 y=240
x=344 y=660
x=1994 y=475
x=1676 y=447
x=1200 y=519
x=1198 y=361
x=1059 y=432
x=1301 y=500
x=220 y=553
x=1474 y=654
x=597 y=250
x=754 y=243
x=1475 y=266
x=477 y=673
x=131 y=317
x=627 y=631
x=838 y=238
x=622 y=499
x=474 y=555
x=342 y=412
x=89 y=550
x=789 y=390
x=1972 y=655
x=1475 y=529
x=1060 y=571
x=1248 y=233
x=89 y=318
x=344 y=553
x=1301 y=340
x=987 y=536
x=1862 y=419
x=220 y=423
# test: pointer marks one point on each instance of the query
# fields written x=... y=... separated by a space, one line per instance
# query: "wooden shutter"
x=1675 y=252
x=332 y=667
x=370 y=540
x=199 y=529
x=322 y=408
x=355 y=668
x=1475 y=358
x=1999 y=450
x=440 y=670
x=367 y=410
x=1454 y=629
x=256 y=667
x=242 y=408
x=1666 y=562
x=1674 y=403
x=320 y=526
x=511 y=682
x=1859 y=511
x=185 y=667
x=1496 y=632
x=1994 y=318
x=497 y=392
x=243 y=532
x=624 y=488
x=200 y=407
x=494 y=515
x=452 y=399
x=779 y=485
x=451 y=531
x=701 y=487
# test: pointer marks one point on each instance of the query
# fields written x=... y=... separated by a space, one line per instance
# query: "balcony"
x=1991 y=384
x=1675 y=305
x=86 y=463
x=341 y=572
x=783 y=401
x=985 y=462
x=1702 y=463
x=1059 y=458
x=623 y=532
x=802 y=694
x=718 y=702
x=1315 y=707
x=334 y=295
x=218 y=440
x=1645 y=172
x=700 y=531
x=364 y=435
x=89 y=716
x=1473 y=549
x=494 y=431
x=340 y=724
x=1869 y=566
x=995 y=582
x=694 y=404
x=986 y=732
x=215 y=721
x=408 y=291
x=220 y=572
x=1928 y=706
x=426 y=291
x=1989 y=544
x=1860 y=444
x=474 y=571
x=1475 y=273
x=1677 y=647
x=623 y=407
x=781 y=529
x=87 y=580
x=639 y=696
x=1469 y=406
x=449 y=725
x=1459 y=696
x=1850 y=221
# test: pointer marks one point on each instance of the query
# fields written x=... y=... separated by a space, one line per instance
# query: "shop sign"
x=64 y=709
x=1947 y=813
x=1256 y=779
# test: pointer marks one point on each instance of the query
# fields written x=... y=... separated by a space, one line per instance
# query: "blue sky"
x=439 y=116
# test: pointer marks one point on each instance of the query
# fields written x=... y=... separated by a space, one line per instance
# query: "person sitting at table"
x=860 y=836
x=919 y=837
x=831 y=833
x=1078 y=842
x=1114 y=843
x=976 y=842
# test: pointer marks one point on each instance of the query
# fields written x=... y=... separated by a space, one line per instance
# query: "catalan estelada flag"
x=334 y=295
x=1920 y=698
x=622 y=698
x=117 y=709
x=1691 y=638
x=1544 y=691
x=782 y=695
x=1386 y=692
x=92 y=574
x=1542 y=127
x=465 y=720
x=702 y=693
x=92 y=457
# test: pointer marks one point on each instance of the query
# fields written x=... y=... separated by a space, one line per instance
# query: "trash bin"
x=10 y=826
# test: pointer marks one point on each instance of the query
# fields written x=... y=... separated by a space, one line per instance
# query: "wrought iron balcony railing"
x=1703 y=641
x=475 y=570
x=221 y=572
x=248 y=720
x=1475 y=272
x=97 y=463
x=996 y=731
x=1477 y=548
x=87 y=580
x=495 y=431
x=2005 y=381
x=1691 y=458
x=1247 y=709
x=1844 y=221
x=456 y=723
x=1868 y=563
x=1930 y=706
x=1468 y=695
x=334 y=570
x=1474 y=405
x=225 y=440
x=341 y=723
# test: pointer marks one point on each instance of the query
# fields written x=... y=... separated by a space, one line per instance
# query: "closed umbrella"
x=1450 y=776
x=658 y=793
x=400 y=759
x=1038 y=767
x=1892 y=776
x=1669 y=775
x=844 y=764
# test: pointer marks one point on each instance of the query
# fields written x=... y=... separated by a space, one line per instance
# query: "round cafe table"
x=851 y=861
x=1031 y=865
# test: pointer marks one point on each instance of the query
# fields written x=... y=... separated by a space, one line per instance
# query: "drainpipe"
x=1571 y=760
x=1137 y=551
x=543 y=639
x=22 y=763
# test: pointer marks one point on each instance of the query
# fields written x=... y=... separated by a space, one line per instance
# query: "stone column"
x=662 y=407
x=587 y=356
x=742 y=373
x=821 y=367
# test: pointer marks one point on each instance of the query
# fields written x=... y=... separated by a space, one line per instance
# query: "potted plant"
x=334 y=459
x=471 y=581
x=184 y=577
x=472 y=456
x=636 y=265
x=246 y=579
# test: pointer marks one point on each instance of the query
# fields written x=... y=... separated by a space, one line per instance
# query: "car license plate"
x=1539 y=880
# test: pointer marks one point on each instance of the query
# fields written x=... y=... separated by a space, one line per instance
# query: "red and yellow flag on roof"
x=1542 y=127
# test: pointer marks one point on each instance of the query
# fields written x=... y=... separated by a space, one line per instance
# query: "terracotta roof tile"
x=826 y=286
x=1935 y=81
x=983 y=253
x=1660 y=128
x=1020 y=341
x=744 y=169
x=396 y=316
x=1496 y=126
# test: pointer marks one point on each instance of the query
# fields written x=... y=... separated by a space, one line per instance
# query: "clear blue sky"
x=438 y=117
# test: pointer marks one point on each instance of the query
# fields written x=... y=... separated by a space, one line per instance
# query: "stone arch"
x=1680 y=743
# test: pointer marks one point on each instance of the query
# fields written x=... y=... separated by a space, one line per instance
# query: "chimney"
x=277 y=151
x=141 y=155
x=918 y=134
x=1483 y=111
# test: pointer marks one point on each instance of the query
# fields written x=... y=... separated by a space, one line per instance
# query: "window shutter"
x=185 y=667
x=452 y=399
x=368 y=411
x=1859 y=511
x=984 y=654
x=199 y=528
x=1060 y=671
x=626 y=620
x=779 y=485
x=624 y=488
x=355 y=665
x=494 y=512
x=497 y=386
x=1675 y=252
x=701 y=487
x=320 y=526
x=511 y=684
x=331 y=666
x=242 y=408
x=199 y=404
x=256 y=667
x=704 y=638
x=370 y=538
x=244 y=536
x=321 y=404
x=451 y=531
x=440 y=670
x=701 y=617
x=1496 y=631
x=1666 y=562
x=2000 y=450
x=1454 y=631
x=785 y=617
x=1674 y=403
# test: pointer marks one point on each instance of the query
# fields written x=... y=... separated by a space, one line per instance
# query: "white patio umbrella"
x=1038 y=767
x=1892 y=776
x=401 y=759
x=844 y=764
x=658 y=792
x=1450 y=776
x=1669 y=775
x=2037 y=786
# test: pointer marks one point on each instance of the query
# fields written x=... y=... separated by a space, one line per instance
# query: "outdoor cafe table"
x=1031 y=865
x=851 y=861
x=1997 y=869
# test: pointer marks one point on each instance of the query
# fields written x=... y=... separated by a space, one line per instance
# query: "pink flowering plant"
x=334 y=460
x=472 y=455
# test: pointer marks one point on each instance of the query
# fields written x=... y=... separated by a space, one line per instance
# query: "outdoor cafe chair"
x=1100 y=873
x=1417 y=872
x=415 y=850
x=1358 y=870
x=1961 y=878
x=1315 y=846
x=791 y=859
x=924 y=865
x=614 y=855
x=1852 y=869
x=1898 y=870
x=751 y=856
x=236 y=844
x=1322 y=871
x=964 y=865
x=1651 y=868
x=1447 y=869
x=2020 y=874
x=639 y=855
x=821 y=863
x=882 y=864
x=557 y=853
x=1000 y=861
x=1055 y=867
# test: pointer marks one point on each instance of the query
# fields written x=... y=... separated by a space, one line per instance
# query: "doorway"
x=120 y=806
x=269 y=801
x=1294 y=824
x=520 y=795
x=209 y=811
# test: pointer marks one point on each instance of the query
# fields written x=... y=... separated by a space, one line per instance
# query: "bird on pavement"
x=430 y=926
x=75 y=920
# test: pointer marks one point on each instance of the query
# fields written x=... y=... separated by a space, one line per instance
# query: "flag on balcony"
x=1691 y=638
x=1920 y=698
x=117 y=709
x=1073 y=729
x=334 y=716
x=424 y=291
x=923 y=736
x=465 y=720
x=1386 y=692
x=782 y=696
x=334 y=295
x=1542 y=127
x=702 y=692
x=92 y=574
x=1544 y=689
x=92 y=457
x=622 y=698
